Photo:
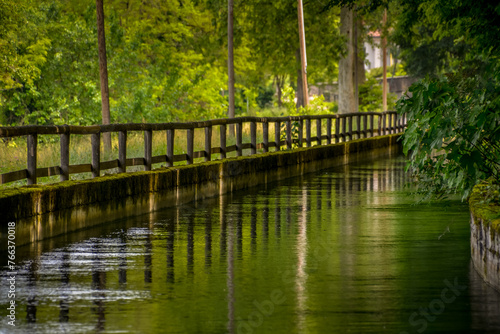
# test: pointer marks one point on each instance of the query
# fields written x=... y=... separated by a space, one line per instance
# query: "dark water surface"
x=340 y=251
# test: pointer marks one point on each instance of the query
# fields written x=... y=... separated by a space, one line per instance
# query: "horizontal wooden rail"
x=288 y=133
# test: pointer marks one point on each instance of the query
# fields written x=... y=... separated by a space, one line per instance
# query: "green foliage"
x=167 y=60
x=265 y=97
x=489 y=192
x=433 y=34
x=370 y=96
x=157 y=69
x=453 y=115
x=453 y=130
x=395 y=70
x=272 y=30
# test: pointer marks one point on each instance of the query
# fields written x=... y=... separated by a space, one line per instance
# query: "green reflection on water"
x=343 y=250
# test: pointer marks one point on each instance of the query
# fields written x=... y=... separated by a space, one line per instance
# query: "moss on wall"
x=34 y=200
x=488 y=212
x=485 y=234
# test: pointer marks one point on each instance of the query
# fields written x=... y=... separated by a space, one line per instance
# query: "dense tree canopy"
x=166 y=59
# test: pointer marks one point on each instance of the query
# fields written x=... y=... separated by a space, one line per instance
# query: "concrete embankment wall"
x=44 y=211
x=485 y=237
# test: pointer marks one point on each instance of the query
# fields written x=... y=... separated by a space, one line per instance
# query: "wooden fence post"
x=318 y=130
x=289 y=134
x=253 y=138
x=337 y=129
x=328 y=131
x=344 y=129
x=358 y=126
x=301 y=133
x=379 y=125
x=277 y=137
x=365 y=126
x=384 y=130
x=265 y=136
x=350 y=127
x=208 y=143
x=122 y=152
x=308 y=132
x=170 y=147
x=148 y=148
x=223 y=141
x=96 y=154
x=32 y=152
x=64 y=141
x=190 y=143
x=371 y=125
x=239 y=138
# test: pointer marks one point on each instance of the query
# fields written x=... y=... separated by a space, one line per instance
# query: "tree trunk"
x=356 y=70
x=384 y=63
x=279 y=81
x=303 y=53
x=346 y=64
x=230 y=64
x=103 y=72
x=361 y=52
x=300 y=87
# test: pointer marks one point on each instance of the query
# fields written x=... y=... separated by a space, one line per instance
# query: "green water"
x=340 y=251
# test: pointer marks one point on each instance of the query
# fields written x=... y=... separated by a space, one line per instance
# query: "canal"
x=344 y=250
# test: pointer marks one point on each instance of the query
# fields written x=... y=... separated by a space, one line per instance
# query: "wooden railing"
x=387 y=123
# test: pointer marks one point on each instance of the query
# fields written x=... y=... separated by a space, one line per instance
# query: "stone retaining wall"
x=485 y=237
x=44 y=211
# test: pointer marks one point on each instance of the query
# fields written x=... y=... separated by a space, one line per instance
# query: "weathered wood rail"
x=387 y=123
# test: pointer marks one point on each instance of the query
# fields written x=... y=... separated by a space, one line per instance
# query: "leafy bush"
x=453 y=135
x=265 y=97
x=377 y=72
x=370 y=96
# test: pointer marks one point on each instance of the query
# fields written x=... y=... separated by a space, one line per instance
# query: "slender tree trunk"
x=355 y=61
x=230 y=64
x=300 y=87
x=346 y=64
x=384 y=63
x=303 y=53
x=103 y=72
x=279 y=80
x=361 y=73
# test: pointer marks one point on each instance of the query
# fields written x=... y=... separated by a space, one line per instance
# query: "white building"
x=373 y=52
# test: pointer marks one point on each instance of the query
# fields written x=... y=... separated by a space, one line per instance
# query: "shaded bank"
x=485 y=236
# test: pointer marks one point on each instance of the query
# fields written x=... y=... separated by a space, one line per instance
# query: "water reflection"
x=98 y=285
x=345 y=249
x=122 y=251
x=208 y=239
x=64 y=270
x=31 y=302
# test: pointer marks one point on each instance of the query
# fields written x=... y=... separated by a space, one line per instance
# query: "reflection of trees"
x=64 y=269
x=31 y=304
x=148 y=258
x=190 y=241
x=301 y=275
x=230 y=275
x=98 y=286
x=122 y=251
x=329 y=209
x=208 y=239
x=170 y=236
